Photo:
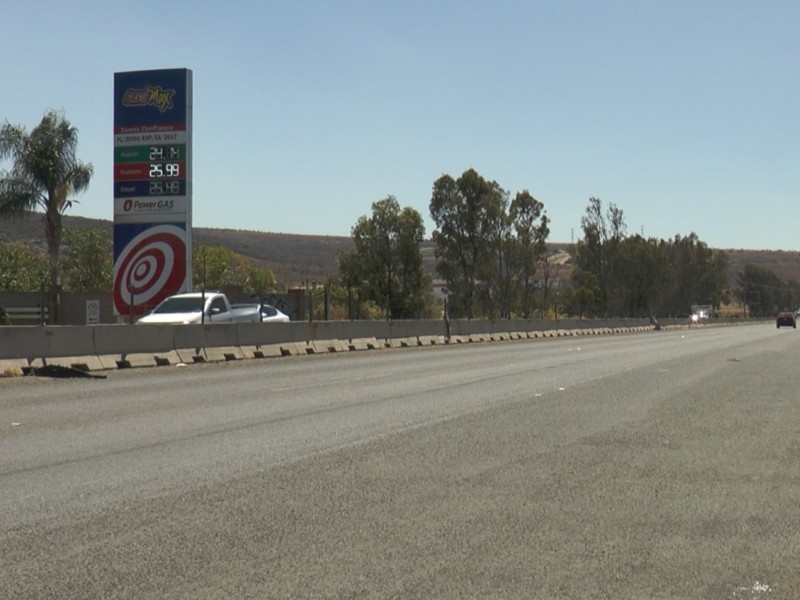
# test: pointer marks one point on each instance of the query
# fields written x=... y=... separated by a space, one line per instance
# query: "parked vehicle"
x=786 y=319
x=270 y=314
x=201 y=307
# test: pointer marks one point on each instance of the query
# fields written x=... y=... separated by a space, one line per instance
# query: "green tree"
x=413 y=280
x=386 y=265
x=87 y=260
x=598 y=252
x=22 y=268
x=643 y=270
x=549 y=268
x=466 y=212
x=259 y=280
x=216 y=267
x=496 y=283
x=532 y=228
x=699 y=275
x=45 y=172
x=617 y=275
x=764 y=292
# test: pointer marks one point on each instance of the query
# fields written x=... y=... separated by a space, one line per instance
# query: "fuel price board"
x=152 y=187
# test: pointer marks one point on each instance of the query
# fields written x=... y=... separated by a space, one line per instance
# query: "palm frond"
x=16 y=197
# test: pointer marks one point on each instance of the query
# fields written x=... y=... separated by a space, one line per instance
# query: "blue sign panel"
x=150 y=98
x=152 y=187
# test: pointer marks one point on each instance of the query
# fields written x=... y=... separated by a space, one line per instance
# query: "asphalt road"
x=660 y=465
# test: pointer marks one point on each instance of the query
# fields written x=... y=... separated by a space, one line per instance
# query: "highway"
x=651 y=465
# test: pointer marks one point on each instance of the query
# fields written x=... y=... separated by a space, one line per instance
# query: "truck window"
x=218 y=306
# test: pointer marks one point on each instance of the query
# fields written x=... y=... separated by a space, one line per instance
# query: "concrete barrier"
x=116 y=339
x=326 y=346
x=292 y=348
x=30 y=342
x=128 y=360
x=37 y=346
x=189 y=341
x=115 y=346
x=222 y=342
x=268 y=351
x=262 y=340
x=363 y=343
x=69 y=341
x=21 y=342
x=120 y=346
x=364 y=335
x=327 y=330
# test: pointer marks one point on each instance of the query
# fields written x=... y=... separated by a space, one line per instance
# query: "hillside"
x=297 y=258
x=293 y=258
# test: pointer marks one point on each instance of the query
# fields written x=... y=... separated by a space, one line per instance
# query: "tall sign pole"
x=152 y=188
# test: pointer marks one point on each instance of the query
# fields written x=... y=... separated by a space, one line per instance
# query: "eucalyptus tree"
x=764 y=292
x=598 y=254
x=412 y=277
x=699 y=274
x=644 y=272
x=516 y=243
x=387 y=261
x=44 y=173
x=467 y=212
x=532 y=228
x=498 y=276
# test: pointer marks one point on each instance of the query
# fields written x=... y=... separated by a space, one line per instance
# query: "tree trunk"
x=53 y=237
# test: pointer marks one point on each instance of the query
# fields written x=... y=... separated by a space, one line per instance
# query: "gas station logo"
x=151 y=95
x=140 y=206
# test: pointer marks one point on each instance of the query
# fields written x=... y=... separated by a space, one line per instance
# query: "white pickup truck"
x=202 y=307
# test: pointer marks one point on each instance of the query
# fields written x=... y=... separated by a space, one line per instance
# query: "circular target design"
x=150 y=268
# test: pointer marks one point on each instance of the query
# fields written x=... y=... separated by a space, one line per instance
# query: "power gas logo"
x=163 y=205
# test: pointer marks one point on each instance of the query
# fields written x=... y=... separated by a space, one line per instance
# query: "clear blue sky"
x=685 y=114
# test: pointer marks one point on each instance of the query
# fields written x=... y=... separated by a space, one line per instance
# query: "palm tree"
x=44 y=173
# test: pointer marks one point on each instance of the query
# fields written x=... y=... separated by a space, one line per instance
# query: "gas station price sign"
x=152 y=187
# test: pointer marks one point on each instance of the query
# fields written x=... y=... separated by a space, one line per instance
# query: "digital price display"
x=165 y=188
x=167 y=152
x=163 y=168
x=168 y=169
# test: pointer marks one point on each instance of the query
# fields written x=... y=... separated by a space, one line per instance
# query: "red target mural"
x=150 y=266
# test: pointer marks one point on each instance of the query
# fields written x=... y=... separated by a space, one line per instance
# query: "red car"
x=786 y=319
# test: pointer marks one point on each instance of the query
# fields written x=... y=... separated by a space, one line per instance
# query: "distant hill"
x=292 y=258
x=297 y=258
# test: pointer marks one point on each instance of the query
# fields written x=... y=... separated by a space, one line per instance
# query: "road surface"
x=659 y=465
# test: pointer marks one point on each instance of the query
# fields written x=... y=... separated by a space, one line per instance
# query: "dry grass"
x=734 y=309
